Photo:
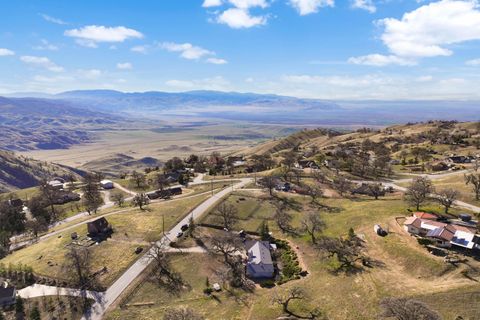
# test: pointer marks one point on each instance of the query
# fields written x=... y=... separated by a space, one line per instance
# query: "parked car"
x=184 y=227
x=179 y=235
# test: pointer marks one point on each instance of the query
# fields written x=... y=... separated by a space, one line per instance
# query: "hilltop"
x=19 y=172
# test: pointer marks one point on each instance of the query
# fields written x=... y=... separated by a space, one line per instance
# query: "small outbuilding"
x=106 y=184
x=7 y=294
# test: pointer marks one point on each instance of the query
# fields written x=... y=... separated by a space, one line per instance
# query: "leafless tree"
x=289 y=159
x=138 y=179
x=419 y=191
x=313 y=224
x=140 y=200
x=228 y=215
x=282 y=217
x=319 y=176
x=119 y=198
x=342 y=185
x=347 y=251
x=181 y=313
x=447 y=197
x=295 y=293
x=406 y=309
x=314 y=191
x=161 y=181
x=474 y=180
x=92 y=197
x=162 y=271
x=268 y=182
x=78 y=264
x=50 y=196
x=376 y=190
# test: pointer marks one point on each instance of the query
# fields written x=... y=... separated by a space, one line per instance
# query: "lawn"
x=404 y=267
x=132 y=228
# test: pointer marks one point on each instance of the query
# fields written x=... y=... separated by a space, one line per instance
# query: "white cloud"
x=430 y=29
x=240 y=18
x=42 y=62
x=186 y=50
x=474 y=62
x=305 y=7
x=379 y=60
x=45 y=45
x=246 y=4
x=90 y=73
x=214 y=83
x=124 y=66
x=52 y=19
x=216 y=61
x=89 y=36
x=139 y=49
x=6 y=52
x=424 y=79
x=211 y=3
x=365 y=5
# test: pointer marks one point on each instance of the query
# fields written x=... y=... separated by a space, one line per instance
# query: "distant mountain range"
x=267 y=107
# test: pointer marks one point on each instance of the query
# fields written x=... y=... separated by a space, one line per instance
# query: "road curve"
x=105 y=300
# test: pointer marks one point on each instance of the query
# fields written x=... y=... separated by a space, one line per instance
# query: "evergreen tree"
x=35 y=314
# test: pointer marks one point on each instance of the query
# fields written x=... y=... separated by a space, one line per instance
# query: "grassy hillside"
x=19 y=172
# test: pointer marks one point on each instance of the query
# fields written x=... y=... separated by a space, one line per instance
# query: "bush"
x=208 y=290
x=268 y=283
x=424 y=242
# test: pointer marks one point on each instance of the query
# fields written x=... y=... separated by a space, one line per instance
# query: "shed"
x=7 y=295
x=106 y=184
x=99 y=227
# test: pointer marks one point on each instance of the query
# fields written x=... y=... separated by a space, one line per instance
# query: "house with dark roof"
x=443 y=236
x=99 y=228
x=7 y=295
x=259 y=260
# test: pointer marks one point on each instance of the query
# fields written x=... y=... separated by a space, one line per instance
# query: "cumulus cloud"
x=367 y=5
x=52 y=19
x=379 y=60
x=42 y=62
x=247 y=4
x=124 y=66
x=211 y=3
x=186 y=50
x=237 y=18
x=89 y=36
x=305 y=7
x=429 y=30
x=474 y=62
x=139 y=49
x=6 y=52
x=216 y=61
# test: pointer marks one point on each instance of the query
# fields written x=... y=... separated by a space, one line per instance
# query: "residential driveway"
x=40 y=290
x=115 y=290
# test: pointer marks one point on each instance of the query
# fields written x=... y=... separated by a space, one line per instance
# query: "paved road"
x=115 y=290
x=40 y=290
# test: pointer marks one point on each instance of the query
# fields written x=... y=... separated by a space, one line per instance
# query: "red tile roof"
x=425 y=215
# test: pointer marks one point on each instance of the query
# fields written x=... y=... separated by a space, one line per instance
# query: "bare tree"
x=447 y=197
x=474 y=180
x=342 y=185
x=228 y=214
x=50 y=196
x=78 y=263
x=319 y=176
x=295 y=293
x=282 y=217
x=119 y=198
x=163 y=272
x=406 y=309
x=181 y=313
x=92 y=197
x=268 y=182
x=376 y=190
x=314 y=191
x=138 y=179
x=313 y=224
x=419 y=191
x=140 y=200
x=347 y=251
x=161 y=181
x=289 y=159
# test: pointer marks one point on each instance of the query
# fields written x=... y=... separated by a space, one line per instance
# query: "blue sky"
x=329 y=49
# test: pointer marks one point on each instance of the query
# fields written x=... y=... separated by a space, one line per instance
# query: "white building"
x=106 y=184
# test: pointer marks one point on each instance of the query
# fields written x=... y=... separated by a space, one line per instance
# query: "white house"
x=259 y=264
x=106 y=184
